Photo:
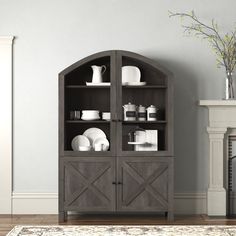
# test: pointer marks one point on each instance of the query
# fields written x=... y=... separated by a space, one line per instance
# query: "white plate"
x=136 y=143
x=84 y=148
x=134 y=83
x=98 y=84
x=130 y=74
x=79 y=140
x=101 y=141
x=93 y=133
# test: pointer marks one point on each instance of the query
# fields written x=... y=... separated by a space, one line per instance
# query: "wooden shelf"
x=86 y=87
x=145 y=122
x=88 y=121
x=123 y=86
x=145 y=87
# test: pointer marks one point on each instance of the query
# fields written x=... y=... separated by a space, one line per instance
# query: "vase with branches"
x=224 y=45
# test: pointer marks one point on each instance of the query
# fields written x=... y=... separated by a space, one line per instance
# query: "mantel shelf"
x=217 y=103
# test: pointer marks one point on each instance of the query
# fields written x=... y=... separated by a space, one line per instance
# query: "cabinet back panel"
x=84 y=73
x=161 y=135
x=146 y=98
x=87 y=99
x=149 y=74
x=72 y=130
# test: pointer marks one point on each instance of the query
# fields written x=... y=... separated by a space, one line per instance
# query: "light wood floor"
x=7 y=222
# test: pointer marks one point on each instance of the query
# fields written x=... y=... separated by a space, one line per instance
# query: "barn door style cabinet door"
x=135 y=173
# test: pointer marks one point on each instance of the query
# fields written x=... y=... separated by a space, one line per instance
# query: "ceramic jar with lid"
x=129 y=112
x=152 y=113
x=141 y=113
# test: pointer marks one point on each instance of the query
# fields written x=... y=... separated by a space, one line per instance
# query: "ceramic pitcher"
x=98 y=71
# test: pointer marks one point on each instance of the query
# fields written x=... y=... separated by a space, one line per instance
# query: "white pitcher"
x=98 y=71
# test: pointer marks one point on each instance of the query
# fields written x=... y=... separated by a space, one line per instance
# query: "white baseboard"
x=190 y=203
x=47 y=203
x=34 y=203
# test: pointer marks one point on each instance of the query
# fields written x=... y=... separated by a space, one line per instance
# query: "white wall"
x=51 y=35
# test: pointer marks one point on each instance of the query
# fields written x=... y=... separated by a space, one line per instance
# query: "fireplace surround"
x=222 y=120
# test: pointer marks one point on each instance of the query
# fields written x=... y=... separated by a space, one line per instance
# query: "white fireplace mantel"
x=222 y=116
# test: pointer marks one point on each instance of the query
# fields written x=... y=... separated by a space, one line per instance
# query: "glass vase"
x=229 y=86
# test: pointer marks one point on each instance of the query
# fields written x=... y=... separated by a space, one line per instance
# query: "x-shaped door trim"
x=88 y=184
x=145 y=184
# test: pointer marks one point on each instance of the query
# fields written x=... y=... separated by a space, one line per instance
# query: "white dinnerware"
x=101 y=144
x=134 y=83
x=106 y=115
x=130 y=74
x=98 y=84
x=78 y=141
x=84 y=148
x=93 y=133
x=90 y=115
x=98 y=71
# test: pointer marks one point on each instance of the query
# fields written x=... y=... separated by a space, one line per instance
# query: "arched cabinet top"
x=150 y=69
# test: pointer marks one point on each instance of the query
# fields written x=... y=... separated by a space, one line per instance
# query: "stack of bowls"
x=90 y=115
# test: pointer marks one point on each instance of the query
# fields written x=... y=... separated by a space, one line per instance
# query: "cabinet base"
x=169 y=215
x=62 y=216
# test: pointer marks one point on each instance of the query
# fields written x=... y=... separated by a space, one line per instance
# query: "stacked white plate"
x=92 y=139
x=97 y=138
x=90 y=115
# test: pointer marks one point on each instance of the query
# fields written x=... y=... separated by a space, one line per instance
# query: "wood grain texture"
x=129 y=181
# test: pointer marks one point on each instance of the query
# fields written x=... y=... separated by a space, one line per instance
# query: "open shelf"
x=88 y=121
x=130 y=126
x=86 y=87
x=82 y=74
x=145 y=122
x=144 y=87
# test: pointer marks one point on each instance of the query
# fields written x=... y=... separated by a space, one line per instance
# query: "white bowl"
x=90 y=111
x=90 y=118
x=84 y=148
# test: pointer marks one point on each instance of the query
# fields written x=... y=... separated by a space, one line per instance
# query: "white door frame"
x=6 y=43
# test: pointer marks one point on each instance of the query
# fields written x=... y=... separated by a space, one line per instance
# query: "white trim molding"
x=190 y=203
x=6 y=43
x=47 y=203
x=34 y=203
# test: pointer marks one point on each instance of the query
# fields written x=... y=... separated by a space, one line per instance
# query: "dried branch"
x=224 y=47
